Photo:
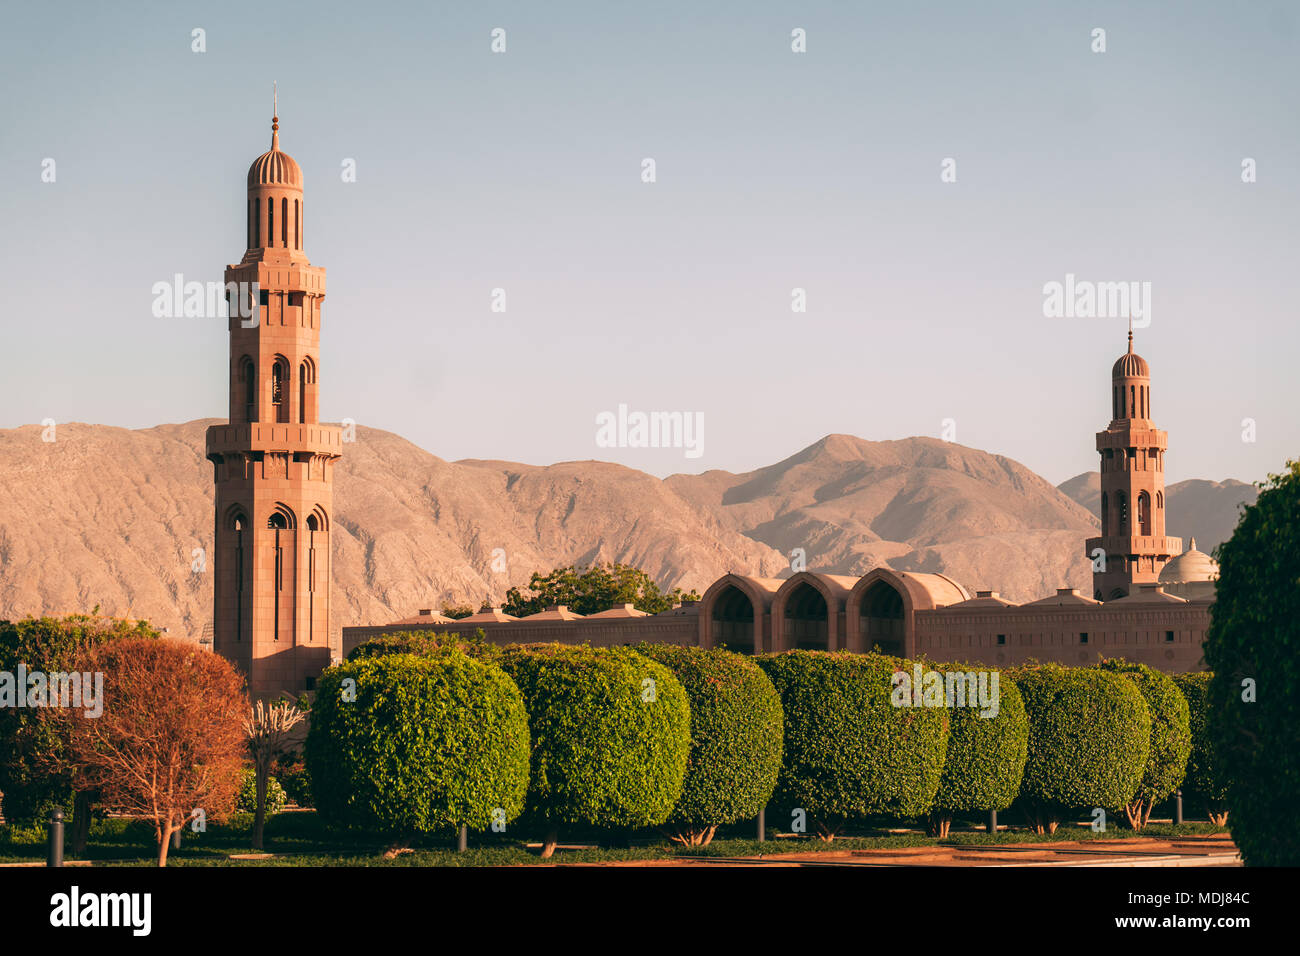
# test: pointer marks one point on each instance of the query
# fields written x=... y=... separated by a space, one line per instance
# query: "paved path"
x=1217 y=850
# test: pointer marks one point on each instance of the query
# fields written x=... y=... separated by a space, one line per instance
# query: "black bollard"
x=56 y=838
x=762 y=825
x=462 y=839
x=993 y=821
x=1178 y=808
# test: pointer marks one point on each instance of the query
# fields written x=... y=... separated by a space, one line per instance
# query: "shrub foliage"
x=1253 y=648
x=1171 y=737
x=1204 y=784
x=849 y=752
x=403 y=745
x=35 y=774
x=736 y=738
x=1089 y=739
x=611 y=735
x=247 y=799
x=426 y=644
x=986 y=754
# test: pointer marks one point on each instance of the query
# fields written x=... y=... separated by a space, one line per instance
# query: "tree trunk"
x=82 y=808
x=939 y=824
x=164 y=843
x=259 y=818
x=1042 y=818
x=1146 y=810
x=1219 y=819
x=549 y=843
x=708 y=835
x=176 y=837
x=827 y=831
x=1133 y=812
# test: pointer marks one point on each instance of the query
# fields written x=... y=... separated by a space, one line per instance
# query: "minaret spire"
x=1132 y=547
x=275 y=131
x=271 y=558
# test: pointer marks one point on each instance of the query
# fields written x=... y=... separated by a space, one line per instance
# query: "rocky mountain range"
x=1196 y=508
x=122 y=519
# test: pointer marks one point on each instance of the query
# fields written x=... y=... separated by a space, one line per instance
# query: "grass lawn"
x=297 y=838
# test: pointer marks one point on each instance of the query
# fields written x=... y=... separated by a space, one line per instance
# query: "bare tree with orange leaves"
x=170 y=741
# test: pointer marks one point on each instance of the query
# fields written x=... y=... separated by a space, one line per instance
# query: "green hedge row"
x=418 y=733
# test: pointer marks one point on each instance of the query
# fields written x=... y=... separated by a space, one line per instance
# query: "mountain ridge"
x=113 y=517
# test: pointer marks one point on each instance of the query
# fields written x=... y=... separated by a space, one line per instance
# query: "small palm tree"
x=267 y=727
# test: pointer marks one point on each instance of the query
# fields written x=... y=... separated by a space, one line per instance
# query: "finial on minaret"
x=275 y=119
x=1192 y=546
x=1130 y=334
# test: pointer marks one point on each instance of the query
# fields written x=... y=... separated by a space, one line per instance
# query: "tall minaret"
x=1132 y=546
x=274 y=462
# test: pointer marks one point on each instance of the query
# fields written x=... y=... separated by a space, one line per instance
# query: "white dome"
x=1191 y=565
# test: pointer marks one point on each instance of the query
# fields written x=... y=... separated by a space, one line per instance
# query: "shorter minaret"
x=1132 y=547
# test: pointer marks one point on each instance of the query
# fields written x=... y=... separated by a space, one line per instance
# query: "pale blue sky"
x=775 y=170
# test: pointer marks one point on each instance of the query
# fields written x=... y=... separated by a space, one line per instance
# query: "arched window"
x=315 y=526
x=1105 y=514
x=302 y=395
x=1114 y=401
x=278 y=522
x=1132 y=401
x=284 y=222
x=297 y=235
x=237 y=525
x=1121 y=503
x=270 y=222
x=248 y=376
x=277 y=388
x=1144 y=514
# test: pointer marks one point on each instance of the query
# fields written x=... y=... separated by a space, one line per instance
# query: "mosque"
x=273 y=468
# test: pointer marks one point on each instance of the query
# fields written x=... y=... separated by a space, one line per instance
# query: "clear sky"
x=522 y=170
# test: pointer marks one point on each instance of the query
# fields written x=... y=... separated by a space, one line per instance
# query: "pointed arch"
x=280 y=379
x=806 y=611
x=246 y=388
x=723 y=618
x=871 y=614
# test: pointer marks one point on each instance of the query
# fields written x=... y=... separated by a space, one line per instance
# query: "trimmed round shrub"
x=247 y=800
x=405 y=745
x=425 y=644
x=987 y=748
x=1253 y=648
x=1089 y=739
x=611 y=736
x=849 y=752
x=736 y=737
x=1171 y=737
x=1204 y=783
